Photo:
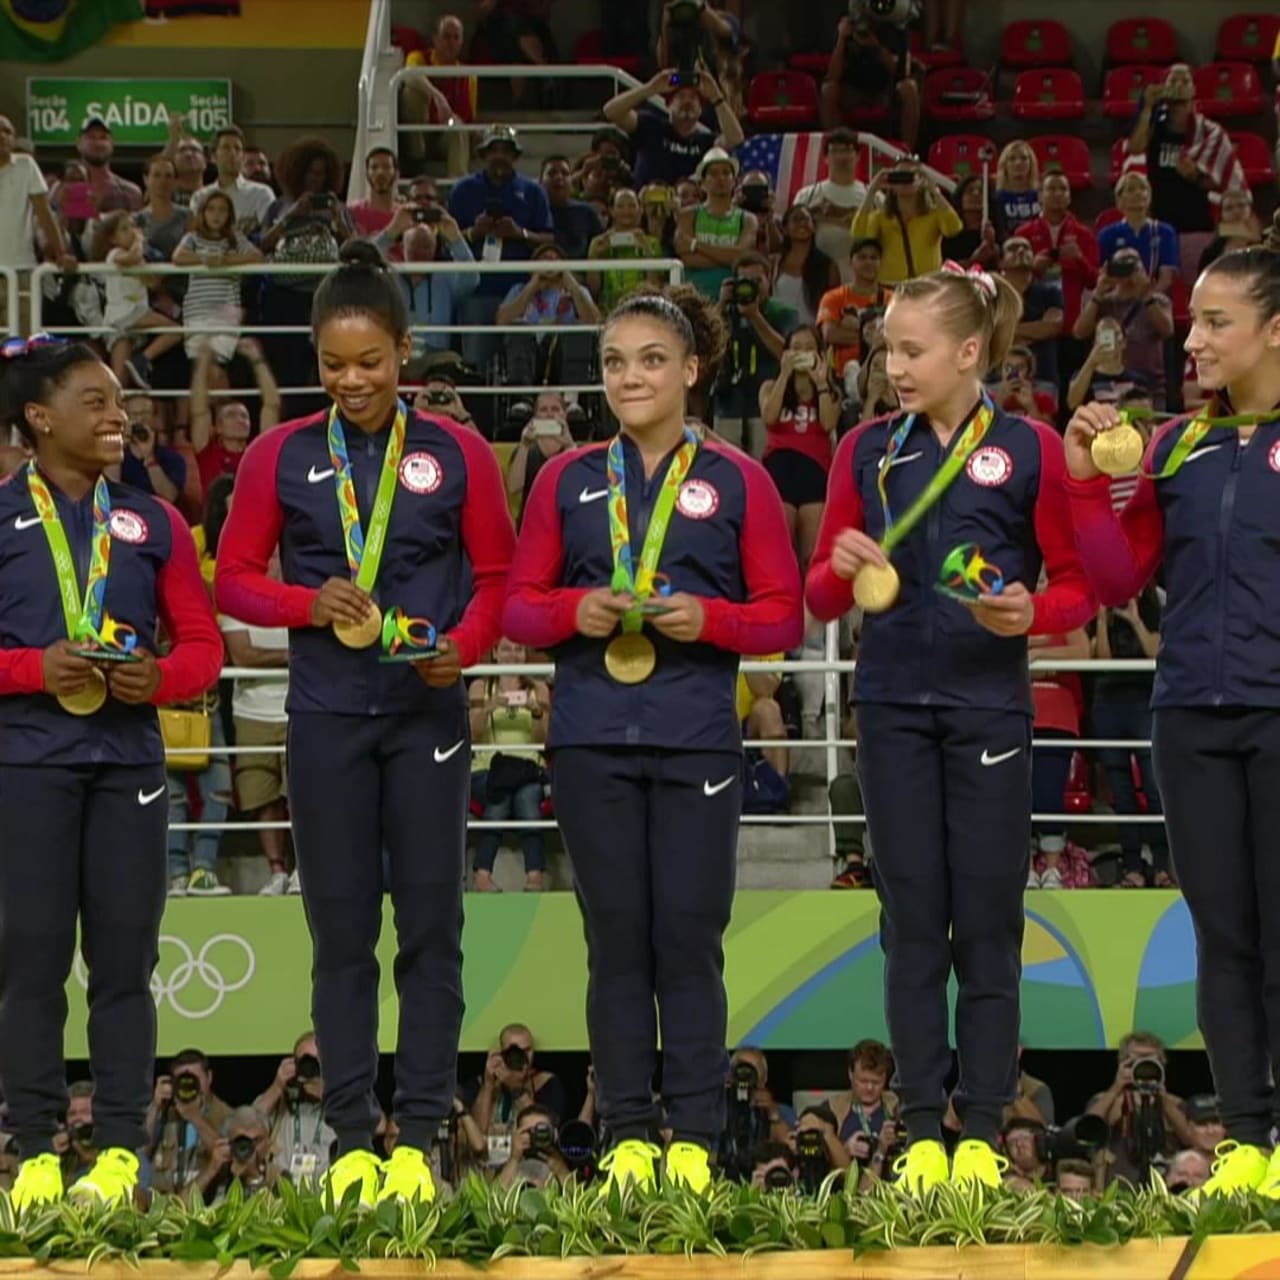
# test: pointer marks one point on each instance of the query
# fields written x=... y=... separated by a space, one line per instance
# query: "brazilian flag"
x=50 y=30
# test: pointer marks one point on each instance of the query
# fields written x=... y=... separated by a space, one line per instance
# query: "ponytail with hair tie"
x=978 y=275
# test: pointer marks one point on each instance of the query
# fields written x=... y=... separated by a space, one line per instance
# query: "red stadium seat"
x=1228 y=89
x=958 y=93
x=408 y=40
x=1180 y=297
x=1255 y=157
x=960 y=154
x=1039 y=42
x=1248 y=37
x=1107 y=218
x=1065 y=152
x=1123 y=86
x=932 y=59
x=815 y=64
x=589 y=51
x=1119 y=154
x=781 y=100
x=1144 y=40
x=1054 y=93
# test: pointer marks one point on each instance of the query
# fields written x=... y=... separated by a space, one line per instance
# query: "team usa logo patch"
x=421 y=473
x=989 y=466
x=127 y=526
x=1274 y=457
x=698 y=500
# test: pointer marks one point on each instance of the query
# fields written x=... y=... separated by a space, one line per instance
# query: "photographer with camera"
x=1025 y=1149
x=713 y=236
x=184 y=1122
x=301 y=1142
x=75 y=1143
x=543 y=437
x=818 y=1147
x=220 y=432
x=242 y=1154
x=758 y=326
x=756 y=196
x=1105 y=376
x=872 y=66
x=912 y=223
x=428 y=233
x=511 y=1082
x=535 y=1153
x=439 y=395
x=148 y=465
x=752 y=1115
x=773 y=1167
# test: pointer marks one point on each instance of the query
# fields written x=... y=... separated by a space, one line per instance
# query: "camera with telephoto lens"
x=308 y=1067
x=542 y=1138
x=812 y=1160
x=898 y=12
x=82 y=1134
x=743 y=1083
x=755 y=196
x=1078 y=1139
x=743 y=291
x=139 y=432
x=683 y=19
x=514 y=1058
x=186 y=1086
x=779 y=1179
x=242 y=1148
x=1148 y=1075
x=439 y=398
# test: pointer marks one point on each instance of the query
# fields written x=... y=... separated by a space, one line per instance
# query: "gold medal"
x=1118 y=452
x=89 y=699
x=360 y=635
x=630 y=658
x=875 y=587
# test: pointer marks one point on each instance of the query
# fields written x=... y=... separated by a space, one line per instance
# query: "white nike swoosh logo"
x=26 y=522
x=590 y=495
x=907 y=457
x=442 y=756
x=988 y=759
x=314 y=476
x=709 y=790
x=1199 y=453
x=146 y=797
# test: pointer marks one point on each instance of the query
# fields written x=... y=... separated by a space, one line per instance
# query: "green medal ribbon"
x=364 y=552
x=627 y=578
x=896 y=531
x=1192 y=434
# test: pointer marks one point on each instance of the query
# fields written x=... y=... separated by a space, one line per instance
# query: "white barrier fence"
x=9 y=316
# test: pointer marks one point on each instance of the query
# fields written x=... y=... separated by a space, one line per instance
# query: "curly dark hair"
x=294 y=161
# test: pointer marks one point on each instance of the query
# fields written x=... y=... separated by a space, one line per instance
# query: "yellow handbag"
x=189 y=731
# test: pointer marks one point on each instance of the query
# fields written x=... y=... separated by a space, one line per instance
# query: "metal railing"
x=371 y=122
x=10 y=319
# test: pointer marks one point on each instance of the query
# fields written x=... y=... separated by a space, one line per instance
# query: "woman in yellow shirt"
x=911 y=226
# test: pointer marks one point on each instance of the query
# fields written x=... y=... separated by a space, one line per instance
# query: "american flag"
x=792 y=161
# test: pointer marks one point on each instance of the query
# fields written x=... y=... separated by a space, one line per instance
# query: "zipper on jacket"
x=1226 y=512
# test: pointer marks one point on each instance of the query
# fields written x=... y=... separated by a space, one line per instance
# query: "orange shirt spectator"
x=834 y=309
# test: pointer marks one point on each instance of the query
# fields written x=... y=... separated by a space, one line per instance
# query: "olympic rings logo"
x=196 y=970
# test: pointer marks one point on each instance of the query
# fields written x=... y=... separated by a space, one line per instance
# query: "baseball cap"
x=94 y=122
x=503 y=133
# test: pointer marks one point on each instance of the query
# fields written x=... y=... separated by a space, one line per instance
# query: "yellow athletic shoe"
x=923 y=1167
x=688 y=1165
x=407 y=1176
x=355 y=1169
x=977 y=1164
x=1269 y=1187
x=1240 y=1166
x=112 y=1180
x=39 y=1181
x=632 y=1161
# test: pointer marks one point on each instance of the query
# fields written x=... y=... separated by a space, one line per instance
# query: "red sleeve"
x=1067 y=602
x=828 y=596
x=489 y=540
x=250 y=535
x=1119 y=550
x=21 y=671
x=772 y=619
x=540 y=612
x=1087 y=265
x=195 y=658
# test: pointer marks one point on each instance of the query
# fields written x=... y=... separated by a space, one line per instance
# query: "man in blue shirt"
x=147 y=464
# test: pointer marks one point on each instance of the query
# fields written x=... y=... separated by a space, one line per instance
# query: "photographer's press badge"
x=966 y=575
x=303 y=1166
x=406 y=639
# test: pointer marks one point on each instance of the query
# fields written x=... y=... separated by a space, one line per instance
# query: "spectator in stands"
x=516 y=32
x=148 y=465
x=659 y=206
x=710 y=41
x=162 y=222
x=802 y=273
x=975 y=244
x=611 y=153
x=1105 y=375
x=505 y=215
x=835 y=199
x=758 y=326
x=376 y=210
x=1238 y=227
x=184 y=1122
x=510 y=710
x=800 y=409
x=251 y=200
x=189 y=163
x=538 y=444
x=912 y=224
x=761 y=717
x=876 y=394
x=551 y=298
x=511 y=1082
x=1041 y=322
x=1122 y=711
x=713 y=237
x=838 y=315
x=193 y=855
x=434 y=299
x=1188 y=1170
x=96 y=148
x=243 y=1155
x=439 y=395
x=220 y=436
x=1034 y=1100
x=669 y=147
x=755 y=195
x=1187 y=156
x=943 y=24
x=128 y=313
x=1125 y=293
x=1017 y=197
x=871 y=66
x=576 y=222
x=256 y=166
x=626 y=239
x=1066 y=251
x=257 y=711
x=302 y=1144
x=1017 y=390
x=1156 y=242
x=211 y=310
x=535 y=1158
x=442 y=100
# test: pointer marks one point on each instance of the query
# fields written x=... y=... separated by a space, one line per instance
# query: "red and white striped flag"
x=793 y=161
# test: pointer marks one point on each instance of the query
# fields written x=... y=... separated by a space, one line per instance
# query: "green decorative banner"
x=804 y=970
x=136 y=111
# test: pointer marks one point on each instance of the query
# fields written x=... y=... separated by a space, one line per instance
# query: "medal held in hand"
x=1118 y=452
x=630 y=658
x=364 y=551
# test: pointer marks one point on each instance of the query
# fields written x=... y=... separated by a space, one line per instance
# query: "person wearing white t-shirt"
x=251 y=200
x=257 y=707
x=835 y=200
x=24 y=201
